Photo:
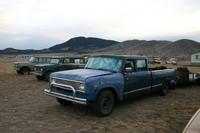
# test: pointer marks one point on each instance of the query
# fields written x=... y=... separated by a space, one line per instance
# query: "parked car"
x=171 y=61
x=28 y=66
x=157 y=61
x=42 y=71
x=107 y=79
x=193 y=125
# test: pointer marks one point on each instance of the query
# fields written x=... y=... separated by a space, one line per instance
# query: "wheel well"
x=25 y=67
x=112 y=90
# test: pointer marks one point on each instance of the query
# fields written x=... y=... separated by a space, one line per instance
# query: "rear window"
x=141 y=65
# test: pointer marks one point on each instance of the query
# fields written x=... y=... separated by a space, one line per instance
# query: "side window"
x=40 y=60
x=61 y=61
x=77 y=61
x=129 y=65
x=141 y=65
x=197 y=57
x=66 y=61
x=48 y=60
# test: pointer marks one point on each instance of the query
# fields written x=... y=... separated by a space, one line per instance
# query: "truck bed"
x=160 y=76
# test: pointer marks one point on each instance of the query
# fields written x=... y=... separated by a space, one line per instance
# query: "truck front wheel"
x=104 y=103
x=39 y=77
x=25 y=71
x=165 y=89
x=46 y=76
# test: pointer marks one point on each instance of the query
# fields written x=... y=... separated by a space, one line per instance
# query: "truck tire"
x=104 y=104
x=165 y=89
x=46 y=77
x=63 y=102
x=39 y=77
x=18 y=72
x=25 y=71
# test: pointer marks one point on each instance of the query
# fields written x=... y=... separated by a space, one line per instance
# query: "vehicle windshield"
x=54 y=61
x=32 y=59
x=104 y=63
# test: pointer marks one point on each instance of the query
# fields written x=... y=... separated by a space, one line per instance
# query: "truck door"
x=139 y=78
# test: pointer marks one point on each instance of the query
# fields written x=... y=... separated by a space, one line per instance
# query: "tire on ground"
x=104 y=103
x=39 y=77
x=25 y=71
x=46 y=77
x=165 y=89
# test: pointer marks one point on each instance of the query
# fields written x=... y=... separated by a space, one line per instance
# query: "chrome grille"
x=37 y=68
x=74 y=84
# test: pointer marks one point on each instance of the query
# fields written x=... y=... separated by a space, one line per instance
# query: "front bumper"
x=37 y=73
x=66 y=97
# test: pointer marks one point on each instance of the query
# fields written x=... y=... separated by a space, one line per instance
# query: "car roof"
x=122 y=56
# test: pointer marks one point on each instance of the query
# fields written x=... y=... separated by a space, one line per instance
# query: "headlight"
x=16 y=65
x=82 y=87
x=51 y=80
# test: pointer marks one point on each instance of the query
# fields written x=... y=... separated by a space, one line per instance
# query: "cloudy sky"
x=42 y=23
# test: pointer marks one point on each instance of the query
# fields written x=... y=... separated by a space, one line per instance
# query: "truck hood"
x=21 y=62
x=79 y=74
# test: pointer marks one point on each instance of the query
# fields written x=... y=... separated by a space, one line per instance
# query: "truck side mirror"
x=128 y=69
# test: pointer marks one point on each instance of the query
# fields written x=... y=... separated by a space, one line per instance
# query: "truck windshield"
x=104 y=63
x=54 y=61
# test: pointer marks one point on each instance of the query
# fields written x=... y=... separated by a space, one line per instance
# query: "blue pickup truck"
x=107 y=79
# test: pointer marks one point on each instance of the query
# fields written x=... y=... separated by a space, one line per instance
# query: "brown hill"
x=180 y=48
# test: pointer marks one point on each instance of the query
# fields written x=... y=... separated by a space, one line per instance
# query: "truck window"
x=129 y=64
x=40 y=60
x=141 y=65
x=66 y=61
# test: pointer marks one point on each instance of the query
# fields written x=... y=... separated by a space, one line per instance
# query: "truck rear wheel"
x=165 y=89
x=63 y=102
x=104 y=103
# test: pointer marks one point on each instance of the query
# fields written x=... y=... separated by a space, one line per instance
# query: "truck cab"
x=107 y=79
x=42 y=71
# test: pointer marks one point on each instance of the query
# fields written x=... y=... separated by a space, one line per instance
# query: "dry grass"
x=24 y=108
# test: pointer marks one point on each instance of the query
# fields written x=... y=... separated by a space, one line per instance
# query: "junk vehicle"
x=185 y=77
x=171 y=61
x=26 y=67
x=42 y=71
x=107 y=79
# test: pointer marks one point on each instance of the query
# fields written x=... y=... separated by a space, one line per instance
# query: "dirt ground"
x=24 y=108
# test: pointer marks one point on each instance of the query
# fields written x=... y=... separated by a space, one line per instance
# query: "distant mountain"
x=17 y=51
x=74 y=45
x=82 y=44
x=181 y=48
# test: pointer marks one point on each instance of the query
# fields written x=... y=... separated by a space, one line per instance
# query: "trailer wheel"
x=165 y=89
x=63 y=102
x=104 y=103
